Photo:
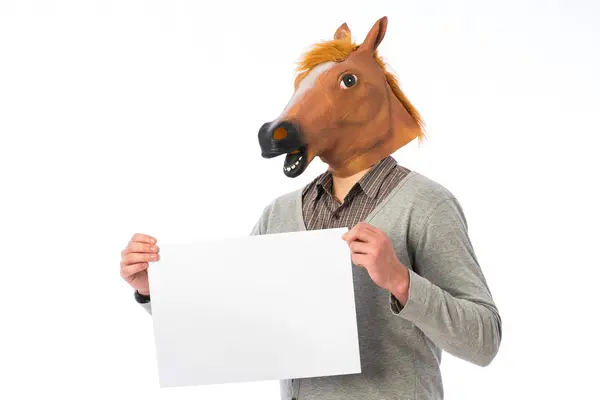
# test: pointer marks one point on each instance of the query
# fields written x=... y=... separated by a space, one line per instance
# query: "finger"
x=351 y=234
x=366 y=227
x=132 y=269
x=360 y=233
x=360 y=247
x=360 y=260
x=142 y=238
x=139 y=247
x=370 y=227
x=134 y=258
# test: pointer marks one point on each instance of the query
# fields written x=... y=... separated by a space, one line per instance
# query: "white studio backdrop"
x=130 y=116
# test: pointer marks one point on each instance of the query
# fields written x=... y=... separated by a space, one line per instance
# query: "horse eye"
x=348 y=81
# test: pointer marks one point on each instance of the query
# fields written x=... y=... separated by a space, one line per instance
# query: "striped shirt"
x=321 y=210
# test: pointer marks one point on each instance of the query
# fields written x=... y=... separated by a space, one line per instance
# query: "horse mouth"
x=295 y=162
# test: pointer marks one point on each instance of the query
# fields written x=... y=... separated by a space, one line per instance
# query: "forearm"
x=464 y=328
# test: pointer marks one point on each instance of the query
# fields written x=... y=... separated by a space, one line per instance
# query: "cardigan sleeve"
x=449 y=299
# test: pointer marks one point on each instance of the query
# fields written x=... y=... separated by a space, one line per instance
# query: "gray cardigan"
x=449 y=307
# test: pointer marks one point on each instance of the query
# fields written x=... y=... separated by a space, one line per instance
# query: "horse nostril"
x=280 y=133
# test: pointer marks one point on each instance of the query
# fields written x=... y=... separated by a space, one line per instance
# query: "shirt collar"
x=370 y=183
x=324 y=183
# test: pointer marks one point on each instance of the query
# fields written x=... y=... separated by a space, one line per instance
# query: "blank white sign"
x=265 y=307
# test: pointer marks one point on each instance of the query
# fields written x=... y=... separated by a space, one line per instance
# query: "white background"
x=126 y=116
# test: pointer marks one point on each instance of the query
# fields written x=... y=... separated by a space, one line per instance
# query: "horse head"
x=347 y=109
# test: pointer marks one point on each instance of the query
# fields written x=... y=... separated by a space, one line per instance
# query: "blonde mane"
x=338 y=51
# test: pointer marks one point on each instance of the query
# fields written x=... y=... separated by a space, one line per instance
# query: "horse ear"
x=375 y=35
x=343 y=33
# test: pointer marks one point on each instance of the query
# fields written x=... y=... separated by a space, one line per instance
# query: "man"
x=418 y=286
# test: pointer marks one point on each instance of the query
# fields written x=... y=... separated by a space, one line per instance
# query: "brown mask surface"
x=347 y=109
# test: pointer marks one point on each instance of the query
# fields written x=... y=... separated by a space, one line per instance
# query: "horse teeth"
x=293 y=166
x=300 y=158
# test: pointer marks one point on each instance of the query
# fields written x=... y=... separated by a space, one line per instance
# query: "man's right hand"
x=135 y=258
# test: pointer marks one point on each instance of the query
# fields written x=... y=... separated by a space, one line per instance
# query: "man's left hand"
x=372 y=249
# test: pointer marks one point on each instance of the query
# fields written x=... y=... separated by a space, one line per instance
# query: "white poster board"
x=264 y=307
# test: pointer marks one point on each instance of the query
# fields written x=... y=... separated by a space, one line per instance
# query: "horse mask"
x=347 y=109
